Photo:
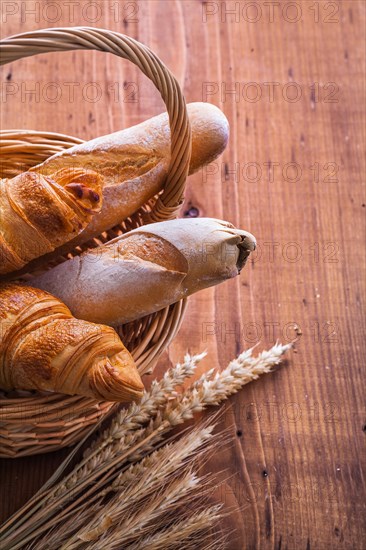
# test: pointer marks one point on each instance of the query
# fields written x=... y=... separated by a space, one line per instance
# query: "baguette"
x=39 y=213
x=43 y=347
x=148 y=268
x=134 y=164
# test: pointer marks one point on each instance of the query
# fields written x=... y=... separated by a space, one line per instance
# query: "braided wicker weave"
x=31 y=422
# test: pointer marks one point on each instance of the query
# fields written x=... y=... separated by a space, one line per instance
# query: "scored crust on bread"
x=148 y=268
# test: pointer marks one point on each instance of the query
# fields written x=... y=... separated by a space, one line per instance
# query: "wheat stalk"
x=120 y=433
x=209 y=390
x=143 y=479
x=181 y=532
x=133 y=434
x=137 y=414
x=135 y=521
x=160 y=503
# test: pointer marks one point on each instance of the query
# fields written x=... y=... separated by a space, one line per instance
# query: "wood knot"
x=192 y=212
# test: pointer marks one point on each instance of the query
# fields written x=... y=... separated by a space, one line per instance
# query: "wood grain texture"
x=292 y=175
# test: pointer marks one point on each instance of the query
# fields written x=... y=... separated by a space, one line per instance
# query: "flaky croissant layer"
x=43 y=347
x=39 y=213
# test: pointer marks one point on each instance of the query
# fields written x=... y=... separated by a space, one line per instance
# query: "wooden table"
x=289 y=77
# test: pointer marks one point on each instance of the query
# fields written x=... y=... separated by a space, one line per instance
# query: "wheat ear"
x=139 y=481
x=182 y=532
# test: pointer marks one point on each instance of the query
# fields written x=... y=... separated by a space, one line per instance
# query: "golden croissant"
x=39 y=213
x=43 y=347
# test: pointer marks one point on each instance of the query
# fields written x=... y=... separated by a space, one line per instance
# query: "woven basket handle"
x=88 y=38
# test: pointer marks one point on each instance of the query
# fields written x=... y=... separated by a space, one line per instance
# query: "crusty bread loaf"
x=133 y=152
x=43 y=347
x=148 y=268
x=134 y=163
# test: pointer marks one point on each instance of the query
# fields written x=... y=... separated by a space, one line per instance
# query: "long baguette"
x=148 y=268
x=134 y=163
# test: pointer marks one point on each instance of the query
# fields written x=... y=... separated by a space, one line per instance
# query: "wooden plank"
x=292 y=175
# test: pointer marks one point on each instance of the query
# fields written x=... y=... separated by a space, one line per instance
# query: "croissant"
x=43 y=347
x=39 y=213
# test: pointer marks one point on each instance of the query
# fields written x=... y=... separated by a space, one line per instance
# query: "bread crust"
x=134 y=164
x=148 y=268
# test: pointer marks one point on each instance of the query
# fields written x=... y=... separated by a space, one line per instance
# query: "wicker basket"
x=32 y=422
